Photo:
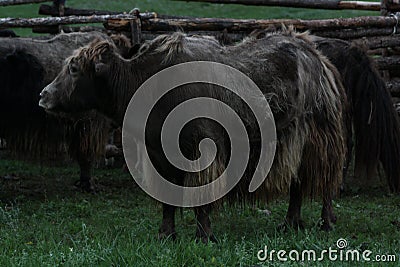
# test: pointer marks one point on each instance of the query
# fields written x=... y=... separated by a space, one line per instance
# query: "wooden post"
x=136 y=27
x=384 y=7
x=60 y=6
x=136 y=31
x=385 y=12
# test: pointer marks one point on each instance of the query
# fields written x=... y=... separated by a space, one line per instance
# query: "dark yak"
x=370 y=119
x=26 y=65
x=374 y=119
x=301 y=85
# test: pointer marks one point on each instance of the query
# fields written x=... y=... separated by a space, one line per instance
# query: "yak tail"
x=375 y=121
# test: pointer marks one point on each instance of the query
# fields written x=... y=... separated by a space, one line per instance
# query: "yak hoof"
x=333 y=218
x=326 y=226
x=163 y=235
x=85 y=186
x=294 y=224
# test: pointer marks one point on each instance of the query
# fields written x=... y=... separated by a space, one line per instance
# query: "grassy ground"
x=46 y=222
x=188 y=9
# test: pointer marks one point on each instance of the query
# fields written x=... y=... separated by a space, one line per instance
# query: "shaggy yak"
x=302 y=87
x=374 y=119
x=370 y=118
x=26 y=65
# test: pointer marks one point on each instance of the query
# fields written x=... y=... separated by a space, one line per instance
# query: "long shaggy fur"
x=376 y=124
x=303 y=89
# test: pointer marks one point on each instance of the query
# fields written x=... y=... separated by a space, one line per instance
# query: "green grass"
x=188 y=9
x=46 y=222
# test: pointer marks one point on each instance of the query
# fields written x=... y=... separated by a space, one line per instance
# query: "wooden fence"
x=378 y=33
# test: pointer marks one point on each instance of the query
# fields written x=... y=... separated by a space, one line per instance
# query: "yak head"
x=82 y=84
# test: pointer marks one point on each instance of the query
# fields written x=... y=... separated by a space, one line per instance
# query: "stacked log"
x=318 y=4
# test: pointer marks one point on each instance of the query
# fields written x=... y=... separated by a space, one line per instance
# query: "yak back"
x=283 y=67
x=52 y=52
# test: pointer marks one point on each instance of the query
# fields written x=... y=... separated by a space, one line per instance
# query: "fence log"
x=320 y=4
x=28 y=23
x=394 y=87
x=349 y=34
x=359 y=5
x=248 y=25
x=54 y=29
x=376 y=42
x=66 y=29
x=152 y=22
x=53 y=11
x=21 y=2
x=388 y=63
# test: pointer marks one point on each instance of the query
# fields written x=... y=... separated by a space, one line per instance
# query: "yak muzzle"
x=47 y=100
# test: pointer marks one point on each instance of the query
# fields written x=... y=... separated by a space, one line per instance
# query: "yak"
x=375 y=122
x=303 y=89
x=26 y=65
x=370 y=120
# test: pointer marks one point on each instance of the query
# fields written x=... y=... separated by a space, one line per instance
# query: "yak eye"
x=73 y=69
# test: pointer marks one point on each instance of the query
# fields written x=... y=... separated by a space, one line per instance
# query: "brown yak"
x=302 y=87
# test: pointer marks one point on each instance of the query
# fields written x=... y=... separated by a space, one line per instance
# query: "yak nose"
x=43 y=93
x=45 y=99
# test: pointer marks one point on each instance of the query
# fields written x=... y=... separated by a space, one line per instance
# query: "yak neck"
x=126 y=78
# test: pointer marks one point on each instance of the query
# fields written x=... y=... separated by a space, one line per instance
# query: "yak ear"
x=101 y=68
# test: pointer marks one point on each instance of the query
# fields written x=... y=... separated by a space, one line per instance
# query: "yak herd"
x=325 y=95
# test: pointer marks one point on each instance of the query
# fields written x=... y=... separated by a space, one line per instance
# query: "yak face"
x=78 y=87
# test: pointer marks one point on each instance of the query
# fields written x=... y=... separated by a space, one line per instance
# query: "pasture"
x=46 y=221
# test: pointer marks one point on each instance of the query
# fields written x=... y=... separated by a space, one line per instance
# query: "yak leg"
x=204 y=231
x=167 y=228
x=327 y=214
x=85 y=165
x=293 y=215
